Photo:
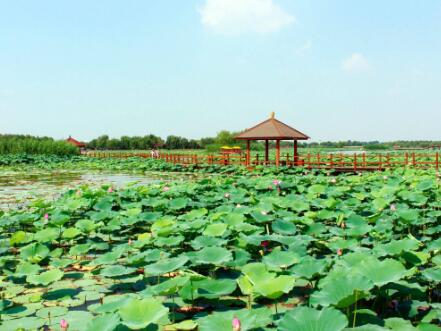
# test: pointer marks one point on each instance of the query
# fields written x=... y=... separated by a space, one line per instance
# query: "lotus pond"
x=301 y=252
x=18 y=188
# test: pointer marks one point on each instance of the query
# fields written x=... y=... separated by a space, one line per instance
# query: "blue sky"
x=367 y=70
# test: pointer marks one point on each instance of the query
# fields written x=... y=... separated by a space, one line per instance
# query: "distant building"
x=76 y=143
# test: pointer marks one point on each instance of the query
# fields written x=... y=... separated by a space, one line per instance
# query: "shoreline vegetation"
x=19 y=144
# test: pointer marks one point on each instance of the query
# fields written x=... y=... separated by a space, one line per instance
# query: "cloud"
x=355 y=63
x=233 y=17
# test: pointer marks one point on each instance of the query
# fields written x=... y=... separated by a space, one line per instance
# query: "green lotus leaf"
x=164 y=266
x=47 y=235
x=433 y=274
x=34 y=252
x=249 y=320
x=396 y=247
x=77 y=320
x=25 y=323
x=381 y=272
x=26 y=268
x=78 y=250
x=178 y=203
x=341 y=290
x=357 y=226
x=170 y=241
x=309 y=319
x=46 y=277
x=257 y=272
x=233 y=219
x=284 y=227
x=408 y=215
x=168 y=287
x=275 y=287
x=86 y=225
x=214 y=288
x=138 y=314
x=204 y=241
x=278 y=259
x=186 y=325
x=309 y=267
x=71 y=233
x=107 y=322
x=18 y=237
x=116 y=271
x=50 y=312
x=215 y=230
x=110 y=304
x=399 y=324
x=261 y=217
x=213 y=255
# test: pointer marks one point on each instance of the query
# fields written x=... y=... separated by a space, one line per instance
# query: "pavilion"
x=272 y=129
x=75 y=142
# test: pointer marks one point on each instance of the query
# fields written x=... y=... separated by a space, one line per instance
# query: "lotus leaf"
x=138 y=314
x=46 y=277
x=308 y=319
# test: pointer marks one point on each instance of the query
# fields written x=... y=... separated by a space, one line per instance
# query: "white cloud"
x=355 y=63
x=234 y=17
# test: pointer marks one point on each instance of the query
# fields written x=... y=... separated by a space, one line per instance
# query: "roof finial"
x=272 y=115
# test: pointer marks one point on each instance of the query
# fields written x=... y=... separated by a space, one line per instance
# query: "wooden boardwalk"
x=339 y=162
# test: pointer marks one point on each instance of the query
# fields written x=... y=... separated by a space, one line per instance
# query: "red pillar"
x=277 y=153
x=296 y=155
x=248 y=153
x=266 y=151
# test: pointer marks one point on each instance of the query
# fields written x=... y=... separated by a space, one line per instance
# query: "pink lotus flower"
x=166 y=188
x=46 y=216
x=339 y=252
x=110 y=190
x=264 y=243
x=393 y=207
x=227 y=195
x=64 y=324
x=236 y=324
x=343 y=225
x=277 y=182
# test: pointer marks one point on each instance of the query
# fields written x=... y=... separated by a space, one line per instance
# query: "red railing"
x=338 y=161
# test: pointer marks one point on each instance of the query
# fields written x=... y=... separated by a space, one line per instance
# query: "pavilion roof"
x=272 y=129
x=75 y=142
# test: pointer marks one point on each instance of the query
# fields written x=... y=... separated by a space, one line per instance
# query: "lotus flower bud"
x=333 y=180
x=263 y=212
x=236 y=324
x=339 y=252
x=384 y=177
x=130 y=242
x=264 y=243
x=393 y=207
x=166 y=188
x=46 y=216
x=63 y=324
x=277 y=182
x=238 y=205
x=227 y=195
x=110 y=190
x=343 y=225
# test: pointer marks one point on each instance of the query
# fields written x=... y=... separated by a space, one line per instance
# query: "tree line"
x=18 y=144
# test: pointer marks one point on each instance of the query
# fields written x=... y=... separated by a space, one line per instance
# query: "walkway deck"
x=340 y=162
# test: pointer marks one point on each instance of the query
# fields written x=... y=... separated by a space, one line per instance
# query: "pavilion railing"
x=337 y=161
